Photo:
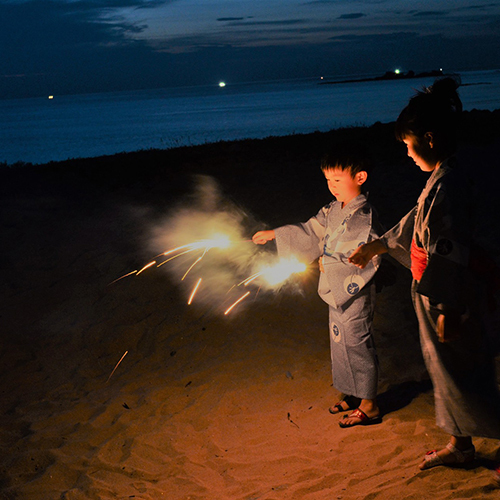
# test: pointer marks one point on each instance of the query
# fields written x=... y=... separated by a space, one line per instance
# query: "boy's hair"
x=349 y=156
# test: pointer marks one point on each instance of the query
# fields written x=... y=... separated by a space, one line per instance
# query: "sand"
x=203 y=405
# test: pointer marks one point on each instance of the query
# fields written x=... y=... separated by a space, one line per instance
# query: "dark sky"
x=79 y=46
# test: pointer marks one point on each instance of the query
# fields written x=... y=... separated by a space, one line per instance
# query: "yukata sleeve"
x=341 y=281
x=398 y=239
x=303 y=240
x=446 y=230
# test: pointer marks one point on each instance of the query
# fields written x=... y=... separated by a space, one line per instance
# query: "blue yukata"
x=462 y=371
x=332 y=235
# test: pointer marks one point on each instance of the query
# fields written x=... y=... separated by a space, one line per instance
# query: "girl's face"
x=421 y=152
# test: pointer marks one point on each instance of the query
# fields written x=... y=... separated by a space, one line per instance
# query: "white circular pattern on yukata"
x=335 y=332
x=353 y=284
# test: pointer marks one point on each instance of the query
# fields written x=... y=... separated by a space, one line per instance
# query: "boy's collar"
x=355 y=202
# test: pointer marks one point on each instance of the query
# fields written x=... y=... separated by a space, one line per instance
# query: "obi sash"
x=418 y=261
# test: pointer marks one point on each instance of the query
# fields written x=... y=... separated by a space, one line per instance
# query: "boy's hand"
x=262 y=237
x=365 y=253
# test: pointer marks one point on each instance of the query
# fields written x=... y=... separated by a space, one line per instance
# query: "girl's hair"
x=434 y=109
x=351 y=156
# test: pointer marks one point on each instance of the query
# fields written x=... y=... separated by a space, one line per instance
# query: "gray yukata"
x=333 y=234
x=462 y=371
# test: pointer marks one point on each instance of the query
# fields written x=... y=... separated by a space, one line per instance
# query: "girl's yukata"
x=434 y=240
x=333 y=234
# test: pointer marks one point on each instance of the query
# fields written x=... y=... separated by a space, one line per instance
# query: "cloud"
x=226 y=19
x=356 y=15
x=431 y=13
x=284 y=22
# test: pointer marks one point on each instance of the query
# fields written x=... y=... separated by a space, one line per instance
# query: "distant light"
x=51 y=97
x=322 y=78
x=397 y=71
x=222 y=84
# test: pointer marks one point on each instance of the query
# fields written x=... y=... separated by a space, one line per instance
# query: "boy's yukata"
x=434 y=240
x=334 y=233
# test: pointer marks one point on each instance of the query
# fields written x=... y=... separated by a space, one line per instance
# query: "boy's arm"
x=303 y=240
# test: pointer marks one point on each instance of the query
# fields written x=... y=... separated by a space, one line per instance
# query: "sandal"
x=462 y=457
x=364 y=419
x=496 y=476
x=351 y=402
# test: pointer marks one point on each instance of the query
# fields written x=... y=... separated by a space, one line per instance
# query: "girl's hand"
x=262 y=237
x=365 y=253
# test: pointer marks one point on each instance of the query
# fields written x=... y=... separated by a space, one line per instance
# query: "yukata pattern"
x=332 y=235
x=462 y=371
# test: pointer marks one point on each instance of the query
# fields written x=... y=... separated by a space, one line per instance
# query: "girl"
x=434 y=240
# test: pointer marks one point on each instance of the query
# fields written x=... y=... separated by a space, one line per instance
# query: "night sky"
x=71 y=46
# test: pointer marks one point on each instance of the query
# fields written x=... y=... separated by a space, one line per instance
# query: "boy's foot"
x=450 y=456
x=359 y=417
x=345 y=404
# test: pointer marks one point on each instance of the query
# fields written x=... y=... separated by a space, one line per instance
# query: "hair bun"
x=445 y=90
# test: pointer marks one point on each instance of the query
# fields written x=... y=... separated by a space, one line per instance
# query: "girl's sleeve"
x=303 y=240
x=398 y=239
x=446 y=234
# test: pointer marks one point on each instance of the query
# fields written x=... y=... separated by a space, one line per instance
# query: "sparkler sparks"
x=219 y=241
x=267 y=275
x=277 y=273
x=282 y=270
x=229 y=309
x=273 y=275
x=116 y=366
x=147 y=266
x=210 y=236
x=194 y=292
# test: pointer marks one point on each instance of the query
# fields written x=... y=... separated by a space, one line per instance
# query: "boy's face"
x=342 y=185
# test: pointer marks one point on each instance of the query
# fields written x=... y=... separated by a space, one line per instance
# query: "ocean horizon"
x=41 y=130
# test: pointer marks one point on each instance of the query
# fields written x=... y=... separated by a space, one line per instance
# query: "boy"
x=332 y=235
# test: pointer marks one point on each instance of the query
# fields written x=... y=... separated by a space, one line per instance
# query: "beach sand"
x=205 y=405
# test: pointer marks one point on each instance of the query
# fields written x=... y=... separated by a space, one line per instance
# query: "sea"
x=41 y=130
